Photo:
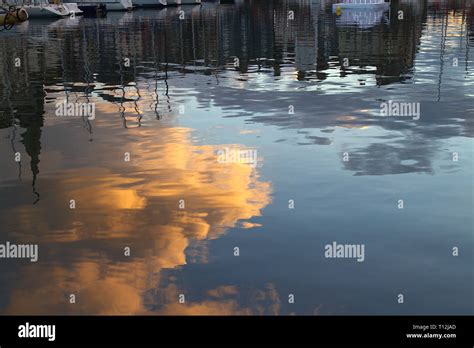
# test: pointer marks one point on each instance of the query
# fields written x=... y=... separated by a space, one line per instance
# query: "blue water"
x=292 y=98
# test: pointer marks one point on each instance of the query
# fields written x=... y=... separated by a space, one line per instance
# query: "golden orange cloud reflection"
x=135 y=205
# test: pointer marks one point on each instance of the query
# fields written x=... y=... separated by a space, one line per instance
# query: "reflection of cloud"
x=133 y=204
x=383 y=159
x=225 y=300
x=421 y=139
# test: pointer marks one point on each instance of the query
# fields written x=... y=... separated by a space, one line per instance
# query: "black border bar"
x=141 y=330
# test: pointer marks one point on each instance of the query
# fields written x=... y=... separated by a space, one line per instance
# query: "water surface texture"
x=164 y=224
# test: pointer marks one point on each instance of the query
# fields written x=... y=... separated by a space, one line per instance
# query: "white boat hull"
x=48 y=11
x=111 y=5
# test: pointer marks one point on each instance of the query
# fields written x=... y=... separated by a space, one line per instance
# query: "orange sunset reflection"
x=171 y=195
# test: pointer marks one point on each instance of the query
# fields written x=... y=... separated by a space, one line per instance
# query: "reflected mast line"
x=444 y=31
x=137 y=99
x=121 y=107
x=166 y=72
x=155 y=63
x=87 y=78
x=121 y=87
x=465 y=24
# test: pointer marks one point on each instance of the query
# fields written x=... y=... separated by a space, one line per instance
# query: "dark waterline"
x=302 y=92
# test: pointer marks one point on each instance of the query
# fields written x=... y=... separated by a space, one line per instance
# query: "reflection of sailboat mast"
x=276 y=57
x=66 y=92
x=87 y=78
x=181 y=45
x=167 y=87
x=135 y=102
x=166 y=74
x=464 y=23
x=155 y=61
x=194 y=44
x=203 y=25
x=218 y=32
x=444 y=30
x=122 y=108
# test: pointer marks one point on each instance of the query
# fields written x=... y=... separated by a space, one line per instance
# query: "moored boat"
x=110 y=5
x=44 y=9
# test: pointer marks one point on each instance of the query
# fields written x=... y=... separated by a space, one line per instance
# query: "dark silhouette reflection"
x=263 y=37
x=390 y=49
x=23 y=102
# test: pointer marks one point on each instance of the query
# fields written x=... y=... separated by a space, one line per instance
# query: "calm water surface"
x=301 y=92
